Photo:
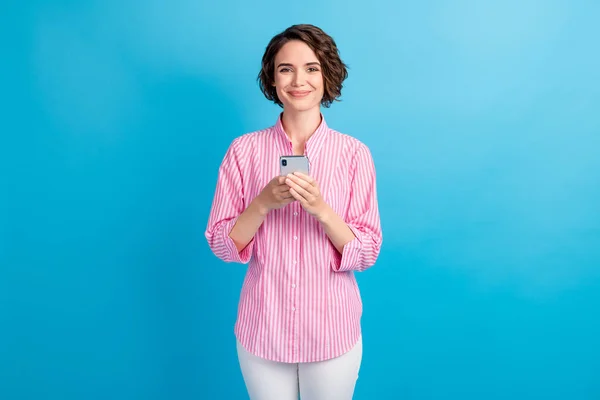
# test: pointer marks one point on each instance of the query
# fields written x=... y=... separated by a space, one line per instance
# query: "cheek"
x=279 y=85
x=281 y=81
x=317 y=82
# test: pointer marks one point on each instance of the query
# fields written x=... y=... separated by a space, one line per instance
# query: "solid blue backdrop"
x=483 y=120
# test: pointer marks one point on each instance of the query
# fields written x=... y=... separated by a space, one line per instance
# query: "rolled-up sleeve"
x=228 y=204
x=362 y=217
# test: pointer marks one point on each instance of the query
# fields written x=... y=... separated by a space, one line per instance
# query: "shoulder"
x=352 y=145
x=247 y=141
x=250 y=138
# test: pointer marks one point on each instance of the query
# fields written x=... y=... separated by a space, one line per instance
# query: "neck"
x=300 y=126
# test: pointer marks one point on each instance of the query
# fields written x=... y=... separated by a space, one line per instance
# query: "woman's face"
x=298 y=77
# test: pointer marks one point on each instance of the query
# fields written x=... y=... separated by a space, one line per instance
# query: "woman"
x=298 y=325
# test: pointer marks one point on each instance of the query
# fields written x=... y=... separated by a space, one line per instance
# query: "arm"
x=227 y=210
x=336 y=228
x=357 y=240
x=275 y=194
x=247 y=224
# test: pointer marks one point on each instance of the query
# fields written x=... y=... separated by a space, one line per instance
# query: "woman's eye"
x=284 y=70
x=313 y=70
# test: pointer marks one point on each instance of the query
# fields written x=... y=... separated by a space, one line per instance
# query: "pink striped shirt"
x=300 y=301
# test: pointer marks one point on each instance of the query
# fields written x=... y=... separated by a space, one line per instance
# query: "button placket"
x=295 y=246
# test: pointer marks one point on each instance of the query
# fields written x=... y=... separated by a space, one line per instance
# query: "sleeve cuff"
x=242 y=257
x=349 y=260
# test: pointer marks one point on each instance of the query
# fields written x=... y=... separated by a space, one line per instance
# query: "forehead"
x=295 y=52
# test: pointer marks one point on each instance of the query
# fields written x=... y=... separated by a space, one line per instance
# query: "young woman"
x=298 y=327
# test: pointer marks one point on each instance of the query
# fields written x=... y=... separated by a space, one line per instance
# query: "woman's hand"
x=306 y=190
x=275 y=194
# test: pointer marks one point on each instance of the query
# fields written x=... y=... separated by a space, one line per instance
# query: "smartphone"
x=291 y=164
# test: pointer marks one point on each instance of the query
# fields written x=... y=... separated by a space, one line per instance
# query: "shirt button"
x=293 y=285
x=293 y=308
x=295 y=213
x=295 y=262
x=295 y=237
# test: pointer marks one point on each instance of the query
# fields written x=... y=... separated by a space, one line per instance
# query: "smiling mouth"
x=299 y=93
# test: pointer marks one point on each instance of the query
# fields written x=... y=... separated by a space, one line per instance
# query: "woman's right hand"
x=276 y=194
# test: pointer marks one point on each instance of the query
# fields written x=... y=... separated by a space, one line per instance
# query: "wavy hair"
x=324 y=47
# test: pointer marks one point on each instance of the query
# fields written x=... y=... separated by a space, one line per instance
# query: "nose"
x=298 y=79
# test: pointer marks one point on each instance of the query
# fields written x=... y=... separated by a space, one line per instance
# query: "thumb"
x=281 y=180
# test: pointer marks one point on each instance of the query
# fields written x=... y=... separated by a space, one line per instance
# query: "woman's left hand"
x=306 y=190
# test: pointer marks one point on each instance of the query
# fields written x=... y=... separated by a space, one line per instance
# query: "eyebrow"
x=290 y=65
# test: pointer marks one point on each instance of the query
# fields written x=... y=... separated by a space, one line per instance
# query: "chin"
x=300 y=106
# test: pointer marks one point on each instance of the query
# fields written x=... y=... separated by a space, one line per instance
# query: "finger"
x=304 y=189
x=298 y=197
x=300 y=190
x=305 y=177
x=284 y=194
x=295 y=195
x=298 y=180
x=281 y=180
x=283 y=189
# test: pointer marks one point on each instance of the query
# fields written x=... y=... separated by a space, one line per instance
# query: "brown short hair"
x=334 y=70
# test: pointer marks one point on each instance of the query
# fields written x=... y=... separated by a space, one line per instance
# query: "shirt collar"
x=313 y=144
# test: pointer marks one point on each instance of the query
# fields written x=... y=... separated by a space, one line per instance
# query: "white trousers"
x=332 y=379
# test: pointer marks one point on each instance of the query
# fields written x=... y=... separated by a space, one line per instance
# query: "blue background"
x=483 y=119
